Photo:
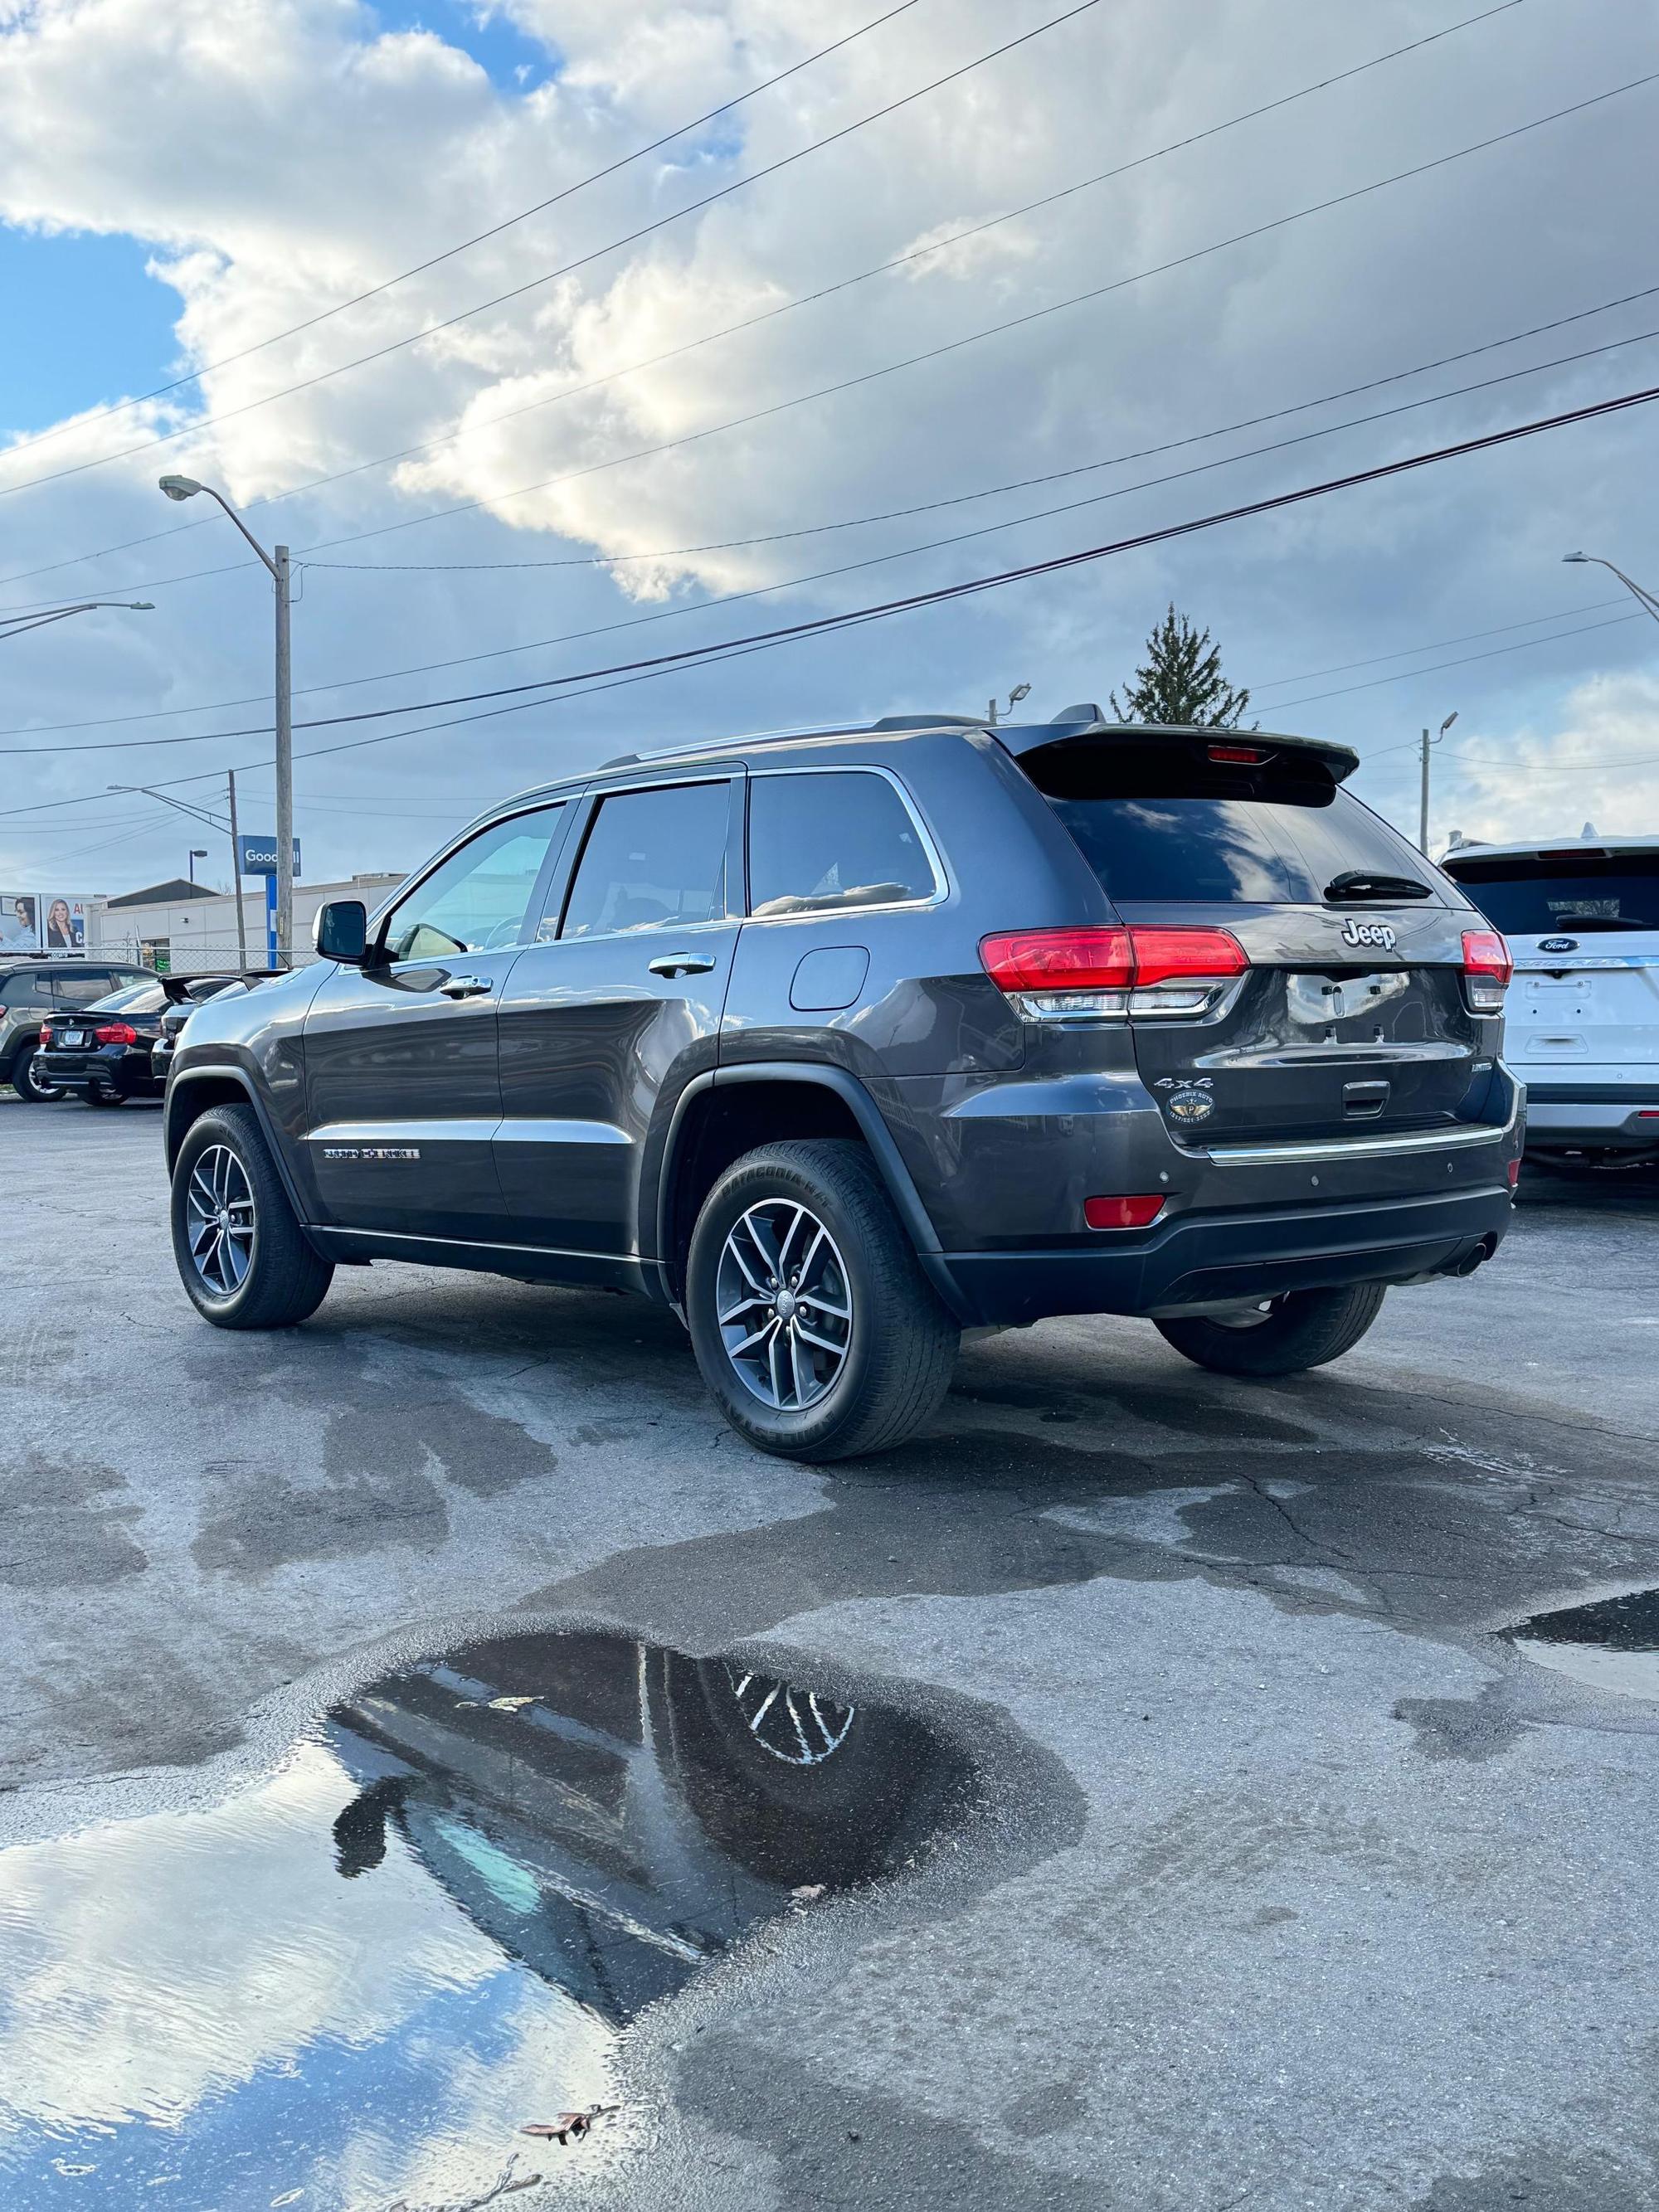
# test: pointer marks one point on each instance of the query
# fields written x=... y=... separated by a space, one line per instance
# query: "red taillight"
x=46 y=1033
x=116 y=1033
x=1057 y=973
x=1163 y=955
x=1487 y=968
x=1122 y=1212
x=1059 y=960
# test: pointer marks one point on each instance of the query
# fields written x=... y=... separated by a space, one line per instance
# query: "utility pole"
x=284 y=765
x=1422 y=810
x=236 y=875
x=279 y=568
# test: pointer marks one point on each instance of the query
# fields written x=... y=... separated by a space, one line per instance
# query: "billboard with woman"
x=37 y=922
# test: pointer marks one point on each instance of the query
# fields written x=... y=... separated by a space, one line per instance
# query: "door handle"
x=682 y=963
x=464 y=987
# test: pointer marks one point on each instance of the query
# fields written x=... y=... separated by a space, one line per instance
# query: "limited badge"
x=1187 y=1102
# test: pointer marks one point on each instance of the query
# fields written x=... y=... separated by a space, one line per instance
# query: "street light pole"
x=236 y=875
x=1643 y=598
x=37 y=618
x=280 y=568
x=1423 y=809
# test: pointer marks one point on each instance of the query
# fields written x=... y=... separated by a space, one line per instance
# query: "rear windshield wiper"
x=1599 y=921
x=1367 y=884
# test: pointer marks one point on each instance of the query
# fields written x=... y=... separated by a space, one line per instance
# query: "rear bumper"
x=1579 y=1116
x=1197 y=1260
x=120 y=1074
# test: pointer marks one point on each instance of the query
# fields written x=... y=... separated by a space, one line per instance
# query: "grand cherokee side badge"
x=1187 y=1102
x=1369 y=932
x=371 y=1152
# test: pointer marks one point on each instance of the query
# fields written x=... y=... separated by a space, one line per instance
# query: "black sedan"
x=105 y=1053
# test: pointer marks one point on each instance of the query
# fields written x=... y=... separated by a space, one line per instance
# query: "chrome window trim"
x=942 y=884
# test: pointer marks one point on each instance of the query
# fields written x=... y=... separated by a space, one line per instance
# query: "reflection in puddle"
x=1613 y=1644
x=357 y=1979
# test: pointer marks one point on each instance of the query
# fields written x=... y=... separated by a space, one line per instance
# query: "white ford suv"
x=1581 y=918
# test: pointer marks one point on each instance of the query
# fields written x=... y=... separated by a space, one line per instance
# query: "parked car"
x=840 y=1043
x=1582 y=916
x=102 y=1053
x=30 y=991
x=108 y=1055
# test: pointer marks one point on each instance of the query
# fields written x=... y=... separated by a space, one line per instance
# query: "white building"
x=184 y=929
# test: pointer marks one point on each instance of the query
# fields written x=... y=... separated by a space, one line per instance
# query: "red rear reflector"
x=116 y=1033
x=1122 y=1212
x=1485 y=953
x=1239 y=756
x=1648 y=1114
x=1514 y=1173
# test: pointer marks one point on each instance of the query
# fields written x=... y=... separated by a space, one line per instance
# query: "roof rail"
x=889 y=723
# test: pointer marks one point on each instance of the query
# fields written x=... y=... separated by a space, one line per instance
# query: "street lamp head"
x=1449 y=720
x=181 y=487
x=1575 y=556
x=141 y=606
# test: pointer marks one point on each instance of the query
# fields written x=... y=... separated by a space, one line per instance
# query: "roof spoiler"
x=1081 y=725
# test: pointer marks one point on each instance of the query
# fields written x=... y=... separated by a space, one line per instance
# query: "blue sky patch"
x=88 y=324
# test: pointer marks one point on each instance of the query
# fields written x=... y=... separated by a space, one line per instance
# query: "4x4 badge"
x=1190 y=1100
x=1369 y=932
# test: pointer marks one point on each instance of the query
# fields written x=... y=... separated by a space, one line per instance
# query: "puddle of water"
x=1612 y=1644
x=353 y=1982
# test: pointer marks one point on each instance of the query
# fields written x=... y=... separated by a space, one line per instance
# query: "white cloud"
x=1550 y=782
x=305 y=153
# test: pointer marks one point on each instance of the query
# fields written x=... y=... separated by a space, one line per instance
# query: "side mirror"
x=341 y=931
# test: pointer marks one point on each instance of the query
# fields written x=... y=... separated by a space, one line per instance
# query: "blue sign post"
x=257 y=857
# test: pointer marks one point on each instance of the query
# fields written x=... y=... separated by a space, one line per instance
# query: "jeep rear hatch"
x=1350 y=1011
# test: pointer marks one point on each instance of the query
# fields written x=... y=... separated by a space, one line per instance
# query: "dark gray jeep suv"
x=840 y=1043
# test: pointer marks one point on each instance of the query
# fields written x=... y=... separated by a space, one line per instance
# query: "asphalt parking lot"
x=1289 y=1883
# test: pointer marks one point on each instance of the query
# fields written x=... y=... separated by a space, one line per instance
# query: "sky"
x=519 y=487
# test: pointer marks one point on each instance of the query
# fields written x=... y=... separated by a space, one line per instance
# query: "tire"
x=888 y=1345
x=20 y=1077
x=268 y=1277
x=1303 y=1329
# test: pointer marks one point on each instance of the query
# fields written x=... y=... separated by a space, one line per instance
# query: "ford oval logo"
x=1557 y=945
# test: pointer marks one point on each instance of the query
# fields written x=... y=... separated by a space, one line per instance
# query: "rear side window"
x=25 y=990
x=1586 y=893
x=831 y=840
x=1156 y=824
x=81 y=987
x=654 y=859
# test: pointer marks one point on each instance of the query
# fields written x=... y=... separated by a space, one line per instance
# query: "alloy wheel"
x=796 y=1726
x=219 y=1220
x=784 y=1304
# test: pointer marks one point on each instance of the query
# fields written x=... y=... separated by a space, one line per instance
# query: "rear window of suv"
x=1158 y=823
x=1537 y=895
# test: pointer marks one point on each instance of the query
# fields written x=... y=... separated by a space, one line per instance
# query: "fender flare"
x=230 y=1072
x=890 y=1162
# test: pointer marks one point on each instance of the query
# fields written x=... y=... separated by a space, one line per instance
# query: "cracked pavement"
x=1296 y=1886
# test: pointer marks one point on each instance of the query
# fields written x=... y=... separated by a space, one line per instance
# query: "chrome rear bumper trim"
x=1363 y=1148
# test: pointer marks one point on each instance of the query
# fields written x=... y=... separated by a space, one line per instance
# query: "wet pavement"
x=1254 y=1858
x=455 y=1891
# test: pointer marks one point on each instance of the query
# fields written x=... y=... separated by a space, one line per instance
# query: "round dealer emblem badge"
x=1190 y=1104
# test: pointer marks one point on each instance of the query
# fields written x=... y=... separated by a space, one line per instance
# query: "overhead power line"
x=526 y=696
x=478 y=238
x=1464 y=660
x=791 y=583
x=465 y=428
x=568 y=269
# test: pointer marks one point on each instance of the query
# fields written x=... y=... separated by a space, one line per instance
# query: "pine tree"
x=1180 y=681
